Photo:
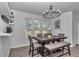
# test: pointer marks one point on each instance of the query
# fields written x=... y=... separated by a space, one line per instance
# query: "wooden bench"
x=59 y=45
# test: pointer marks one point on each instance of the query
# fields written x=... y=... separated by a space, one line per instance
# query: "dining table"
x=45 y=40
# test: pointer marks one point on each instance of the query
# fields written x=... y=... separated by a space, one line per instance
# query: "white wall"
x=78 y=32
x=5 y=46
x=65 y=26
x=75 y=27
x=4 y=9
x=75 y=30
x=77 y=18
x=19 y=31
x=56 y=31
x=4 y=41
x=0 y=47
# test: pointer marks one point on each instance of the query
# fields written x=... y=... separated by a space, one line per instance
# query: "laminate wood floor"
x=24 y=52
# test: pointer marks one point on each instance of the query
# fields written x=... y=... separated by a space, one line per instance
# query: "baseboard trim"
x=8 y=53
x=72 y=45
x=19 y=46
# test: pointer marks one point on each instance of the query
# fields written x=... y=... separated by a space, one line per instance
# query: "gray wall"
x=77 y=28
x=74 y=30
x=5 y=46
x=0 y=46
x=19 y=38
x=4 y=40
x=4 y=9
x=65 y=26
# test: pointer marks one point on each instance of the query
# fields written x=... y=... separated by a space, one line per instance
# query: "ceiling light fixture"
x=51 y=13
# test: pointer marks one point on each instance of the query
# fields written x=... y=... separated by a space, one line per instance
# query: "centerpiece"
x=49 y=34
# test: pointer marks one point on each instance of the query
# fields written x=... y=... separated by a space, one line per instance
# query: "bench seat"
x=56 y=45
x=52 y=47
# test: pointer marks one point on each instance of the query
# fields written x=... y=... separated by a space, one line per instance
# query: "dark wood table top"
x=48 y=39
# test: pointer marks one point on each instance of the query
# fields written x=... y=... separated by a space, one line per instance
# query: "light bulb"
x=46 y=10
x=58 y=10
x=43 y=12
x=53 y=9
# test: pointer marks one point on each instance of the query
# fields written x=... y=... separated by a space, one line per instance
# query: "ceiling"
x=39 y=7
x=4 y=9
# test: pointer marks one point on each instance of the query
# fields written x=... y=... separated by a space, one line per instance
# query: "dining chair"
x=34 y=46
x=46 y=35
x=61 y=35
x=53 y=47
x=39 y=35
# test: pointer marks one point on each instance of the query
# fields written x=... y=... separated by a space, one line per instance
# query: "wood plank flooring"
x=23 y=52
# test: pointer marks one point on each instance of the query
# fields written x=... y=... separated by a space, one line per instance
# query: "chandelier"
x=51 y=13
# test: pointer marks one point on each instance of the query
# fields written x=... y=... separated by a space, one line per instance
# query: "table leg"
x=43 y=49
x=69 y=50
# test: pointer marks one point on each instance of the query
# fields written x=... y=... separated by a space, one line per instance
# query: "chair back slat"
x=30 y=41
x=39 y=35
x=61 y=35
x=45 y=35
